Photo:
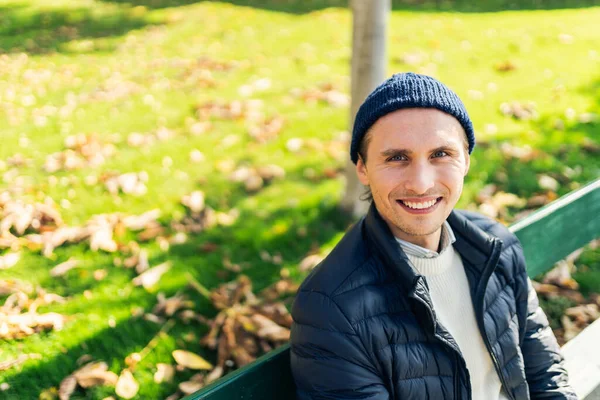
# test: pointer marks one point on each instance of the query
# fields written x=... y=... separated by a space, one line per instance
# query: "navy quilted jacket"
x=364 y=325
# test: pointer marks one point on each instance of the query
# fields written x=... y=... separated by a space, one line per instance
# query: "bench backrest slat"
x=563 y=226
x=547 y=236
x=267 y=378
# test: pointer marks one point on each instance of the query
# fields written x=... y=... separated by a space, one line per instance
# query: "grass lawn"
x=112 y=68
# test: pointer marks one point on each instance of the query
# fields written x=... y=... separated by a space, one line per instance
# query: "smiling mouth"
x=420 y=205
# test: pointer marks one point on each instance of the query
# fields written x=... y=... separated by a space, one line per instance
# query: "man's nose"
x=420 y=178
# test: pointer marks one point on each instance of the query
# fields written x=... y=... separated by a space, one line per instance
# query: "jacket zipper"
x=487 y=272
x=457 y=354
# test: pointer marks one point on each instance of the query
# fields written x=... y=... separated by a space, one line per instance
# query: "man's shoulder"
x=511 y=262
x=342 y=266
x=490 y=227
x=330 y=296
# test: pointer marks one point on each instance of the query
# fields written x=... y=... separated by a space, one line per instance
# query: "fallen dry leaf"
x=128 y=183
x=189 y=387
x=505 y=66
x=67 y=387
x=100 y=274
x=196 y=156
x=245 y=325
x=19 y=216
x=150 y=277
x=247 y=109
x=164 y=373
x=523 y=153
x=84 y=359
x=21 y=325
x=95 y=374
x=560 y=275
x=142 y=263
x=267 y=129
x=9 y=260
x=191 y=360
x=17 y=160
x=495 y=204
x=269 y=330
x=4 y=365
x=294 y=145
x=127 y=387
x=169 y=306
x=583 y=314
x=215 y=374
x=154 y=318
x=280 y=288
x=570 y=328
x=151 y=232
x=132 y=360
x=325 y=93
x=194 y=201
x=520 y=111
x=270 y=172
x=10 y=286
x=8 y=240
x=63 y=267
x=545 y=289
x=549 y=183
x=139 y=222
x=253 y=183
x=81 y=151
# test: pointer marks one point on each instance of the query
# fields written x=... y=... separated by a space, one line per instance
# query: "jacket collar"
x=472 y=243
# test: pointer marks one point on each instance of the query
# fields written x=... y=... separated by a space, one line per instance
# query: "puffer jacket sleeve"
x=544 y=364
x=328 y=359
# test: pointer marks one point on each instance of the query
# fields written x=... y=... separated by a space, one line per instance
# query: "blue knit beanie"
x=408 y=90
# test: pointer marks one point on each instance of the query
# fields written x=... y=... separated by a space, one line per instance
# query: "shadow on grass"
x=273 y=232
x=111 y=345
x=306 y=6
x=40 y=31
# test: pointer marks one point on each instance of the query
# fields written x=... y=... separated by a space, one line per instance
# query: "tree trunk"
x=367 y=71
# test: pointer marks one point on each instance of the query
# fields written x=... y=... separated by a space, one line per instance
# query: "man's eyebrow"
x=445 y=147
x=393 y=152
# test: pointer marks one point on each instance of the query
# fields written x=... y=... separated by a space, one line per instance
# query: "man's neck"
x=429 y=242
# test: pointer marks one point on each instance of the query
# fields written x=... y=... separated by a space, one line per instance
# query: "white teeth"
x=419 y=206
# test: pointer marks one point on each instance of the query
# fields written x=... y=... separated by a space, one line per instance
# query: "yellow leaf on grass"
x=190 y=360
x=150 y=277
x=164 y=373
x=67 y=387
x=94 y=374
x=127 y=387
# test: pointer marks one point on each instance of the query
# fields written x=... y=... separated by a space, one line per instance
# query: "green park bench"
x=548 y=235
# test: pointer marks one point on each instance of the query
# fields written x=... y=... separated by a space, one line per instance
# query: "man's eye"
x=440 y=154
x=396 y=158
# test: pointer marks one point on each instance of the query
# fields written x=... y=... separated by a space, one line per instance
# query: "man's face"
x=416 y=164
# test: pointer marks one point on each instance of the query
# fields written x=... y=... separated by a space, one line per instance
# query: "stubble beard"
x=421 y=225
x=419 y=228
x=392 y=214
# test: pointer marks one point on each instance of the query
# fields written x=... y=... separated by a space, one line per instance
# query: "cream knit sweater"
x=449 y=290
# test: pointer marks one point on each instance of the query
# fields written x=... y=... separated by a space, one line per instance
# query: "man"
x=418 y=300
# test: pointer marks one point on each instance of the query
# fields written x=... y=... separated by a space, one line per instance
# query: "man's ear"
x=361 y=171
x=468 y=163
